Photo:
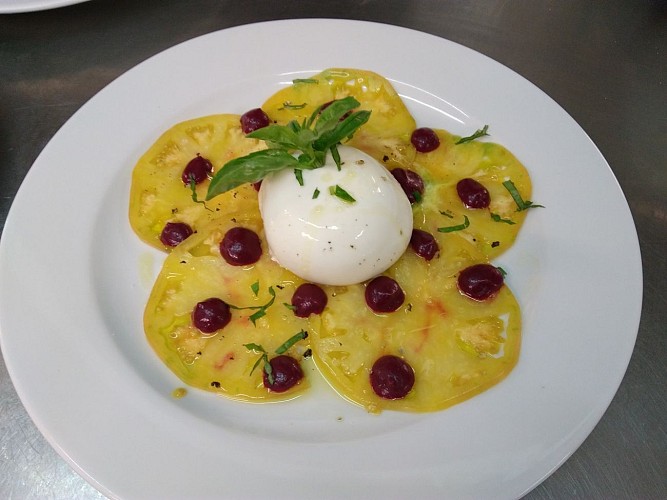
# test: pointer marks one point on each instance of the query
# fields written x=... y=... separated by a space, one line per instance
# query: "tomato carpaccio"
x=444 y=345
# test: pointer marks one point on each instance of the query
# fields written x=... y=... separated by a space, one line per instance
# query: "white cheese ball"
x=325 y=239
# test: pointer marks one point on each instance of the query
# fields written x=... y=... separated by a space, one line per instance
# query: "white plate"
x=74 y=280
x=17 y=6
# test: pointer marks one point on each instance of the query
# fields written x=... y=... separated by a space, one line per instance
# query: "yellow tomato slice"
x=489 y=164
x=195 y=271
x=158 y=194
x=386 y=135
x=456 y=346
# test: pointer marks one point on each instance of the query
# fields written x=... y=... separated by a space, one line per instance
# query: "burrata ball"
x=336 y=226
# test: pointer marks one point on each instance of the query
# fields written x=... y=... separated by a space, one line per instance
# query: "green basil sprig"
x=302 y=146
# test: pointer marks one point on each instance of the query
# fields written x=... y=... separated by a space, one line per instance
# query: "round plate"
x=17 y=6
x=74 y=280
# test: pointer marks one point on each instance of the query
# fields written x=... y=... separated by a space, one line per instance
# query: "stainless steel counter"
x=605 y=63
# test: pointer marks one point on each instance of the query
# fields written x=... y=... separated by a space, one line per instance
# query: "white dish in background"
x=18 y=6
x=74 y=280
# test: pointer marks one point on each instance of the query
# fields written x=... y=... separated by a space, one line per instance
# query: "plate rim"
x=18 y=6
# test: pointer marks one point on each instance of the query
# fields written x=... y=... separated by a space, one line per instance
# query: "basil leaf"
x=254 y=347
x=305 y=137
x=286 y=137
x=313 y=116
x=478 y=133
x=458 y=227
x=312 y=160
x=310 y=145
x=264 y=357
x=305 y=80
x=498 y=218
x=291 y=341
x=293 y=125
x=298 y=173
x=289 y=105
x=256 y=315
x=330 y=116
x=268 y=370
x=520 y=203
x=250 y=168
x=339 y=192
x=343 y=130
x=336 y=156
x=193 y=188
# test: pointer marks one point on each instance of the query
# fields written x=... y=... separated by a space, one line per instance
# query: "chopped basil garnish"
x=255 y=288
x=520 y=203
x=259 y=310
x=316 y=193
x=193 y=189
x=296 y=145
x=498 y=218
x=260 y=313
x=291 y=341
x=458 y=227
x=447 y=213
x=289 y=105
x=264 y=356
x=336 y=156
x=298 y=173
x=305 y=80
x=478 y=133
x=339 y=192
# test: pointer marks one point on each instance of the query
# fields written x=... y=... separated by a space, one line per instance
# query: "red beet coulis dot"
x=253 y=120
x=480 y=281
x=391 y=377
x=197 y=169
x=174 y=233
x=211 y=315
x=286 y=373
x=383 y=294
x=411 y=182
x=424 y=244
x=425 y=140
x=240 y=247
x=473 y=194
x=308 y=299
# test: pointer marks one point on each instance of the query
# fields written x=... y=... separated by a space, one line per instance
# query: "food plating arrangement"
x=326 y=234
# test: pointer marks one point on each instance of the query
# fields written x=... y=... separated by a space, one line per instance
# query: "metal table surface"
x=603 y=62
